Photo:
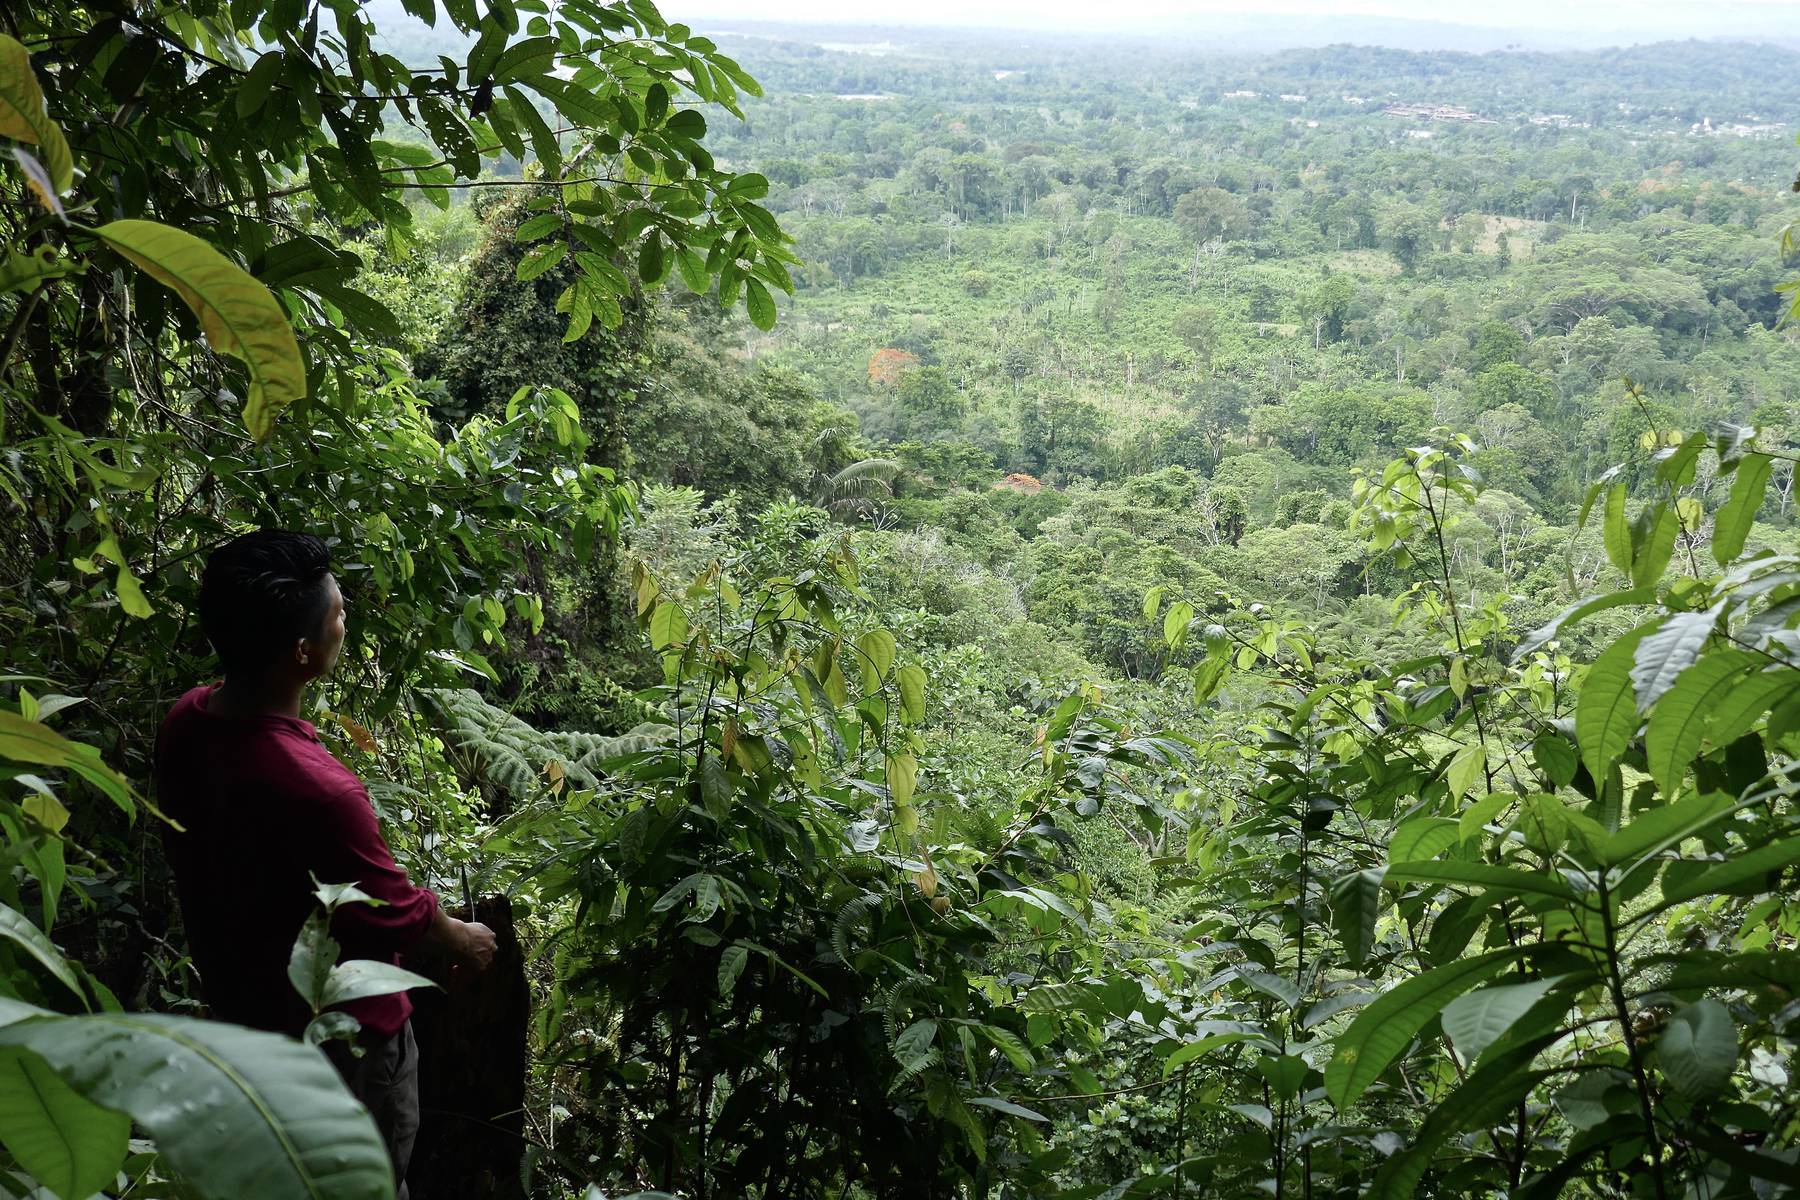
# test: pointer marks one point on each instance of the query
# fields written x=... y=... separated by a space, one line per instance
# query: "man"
x=265 y=809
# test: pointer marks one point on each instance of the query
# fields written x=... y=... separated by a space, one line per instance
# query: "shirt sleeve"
x=352 y=850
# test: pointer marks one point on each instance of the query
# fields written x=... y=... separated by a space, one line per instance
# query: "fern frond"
x=853 y=914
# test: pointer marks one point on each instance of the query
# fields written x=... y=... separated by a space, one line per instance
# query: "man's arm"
x=409 y=917
x=469 y=945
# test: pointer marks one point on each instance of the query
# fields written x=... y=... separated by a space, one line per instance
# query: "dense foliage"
x=1227 y=642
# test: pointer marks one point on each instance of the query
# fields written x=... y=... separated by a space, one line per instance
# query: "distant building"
x=1242 y=95
x=1438 y=112
x=1294 y=97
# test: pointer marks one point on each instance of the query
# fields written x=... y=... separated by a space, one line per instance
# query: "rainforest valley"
x=996 y=616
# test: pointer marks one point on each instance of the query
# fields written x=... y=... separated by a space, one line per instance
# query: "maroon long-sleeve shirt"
x=265 y=808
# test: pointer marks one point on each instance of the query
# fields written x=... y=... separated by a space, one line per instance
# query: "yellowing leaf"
x=912 y=681
x=24 y=118
x=875 y=654
x=902 y=776
x=46 y=811
x=239 y=316
x=1466 y=768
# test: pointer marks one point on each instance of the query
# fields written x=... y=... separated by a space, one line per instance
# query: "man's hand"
x=474 y=947
x=469 y=945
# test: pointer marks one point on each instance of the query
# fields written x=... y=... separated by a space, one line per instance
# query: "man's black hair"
x=262 y=592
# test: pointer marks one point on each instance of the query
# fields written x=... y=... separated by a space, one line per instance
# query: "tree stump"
x=472 y=1065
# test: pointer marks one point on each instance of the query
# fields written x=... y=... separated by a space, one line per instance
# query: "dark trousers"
x=386 y=1079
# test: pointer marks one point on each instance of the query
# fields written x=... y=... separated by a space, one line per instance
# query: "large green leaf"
x=239 y=316
x=1734 y=872
x=235 y=1112
x=1579 y=610
x=1498 y=881
x=1732 y=525
x=1206 y=1045
x=16 y=928
x=912 y=681
x=1356 y=904
x=1383 y=1030
x=71 y=1146
x=1659 y=828
x=1679 y=721
x=1606 y=712
x=1668 y=651
x=1614 y=529
x=1739 y=708
x=23 y=117
x=1656 y=544
x=1422 y=838
x=1477 y=1020
x=1698 y=1048
x=1466 y=767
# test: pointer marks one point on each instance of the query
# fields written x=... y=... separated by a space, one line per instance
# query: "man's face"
x=321 y=656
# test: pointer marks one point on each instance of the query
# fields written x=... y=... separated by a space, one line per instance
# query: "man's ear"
x=306 y=654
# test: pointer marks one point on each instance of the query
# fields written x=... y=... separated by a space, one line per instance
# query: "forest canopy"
x=996 y=616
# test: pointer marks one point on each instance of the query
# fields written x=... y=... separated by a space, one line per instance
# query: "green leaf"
x=1665 y=653
x=1745 y=703
x=1727 y=877
x=731 y=966
x=911 y=680
x=1677 y=468
x=1471 y=820
x=1500 y=881
x=294 y=1131
x=1606 y=713
x=69 y=1145
x=536 y=227
x=759 y=303
x=310 y=961
x=34 y=742
x=1422 y=838
x=1732 y=526
x=875 y=655
x=361 y=977
x=1663 y=827
x=1476 y=1021
x=1009 y=1044
x=902 y=776
x=1698 y=1048
x=1206 y=1045
x=541 y=260
x=1176 y=622
x=1152 y=603
x=1616 y=529
x=1208 y=676
x=1466 y=768
x=1658 y=544
x=1383 y=1030
x=1008 y=1107
x=23 y=116
x=16 y=928
x=715 y=786
x=652 y=263
x=253 y=92
x=1680 y=718
x=1578 y=611
x=693 y=270
x=668 y=625
x=239 y=316
x=1356 y=905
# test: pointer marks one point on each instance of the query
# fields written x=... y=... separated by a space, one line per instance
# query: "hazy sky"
x=1735 y=18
